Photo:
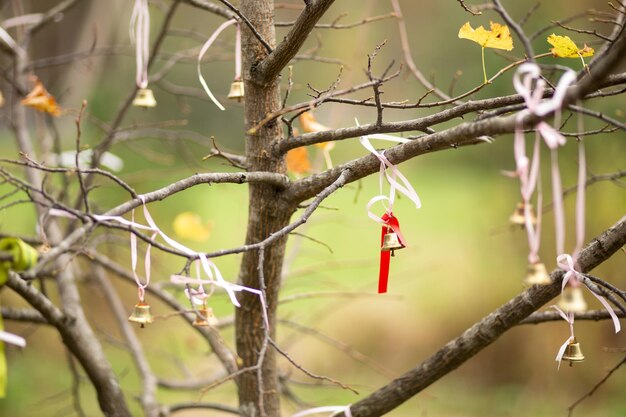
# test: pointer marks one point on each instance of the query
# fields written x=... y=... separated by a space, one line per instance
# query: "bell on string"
x=518 y=218
x=537 y=275
x=144 y=98
x=205 y=317
x=236 y=91
x=141 y=314
x=573 y=353
x=391 y=242
x=572 y=300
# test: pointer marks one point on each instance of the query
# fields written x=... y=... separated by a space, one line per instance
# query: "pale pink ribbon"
x=210 y=269
x=141 y=287
x=404 y=186
x=140 y=36
x=527 y=75
x=566 y=263
x=206 y=47
x=183 y=280
x=531 y=87
x=12 y=339
x=334 y=409
x=569 y=318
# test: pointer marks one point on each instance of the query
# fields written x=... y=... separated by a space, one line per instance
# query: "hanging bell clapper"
x=391 y=242
x=141 y=314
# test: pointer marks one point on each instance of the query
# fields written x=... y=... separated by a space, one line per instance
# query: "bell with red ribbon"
x=391 y=239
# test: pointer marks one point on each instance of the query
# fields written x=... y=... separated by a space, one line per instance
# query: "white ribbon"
x=404 y=186
x=139 y=32
x=569 y=317
x=203 y=50
x=4 y=35
x=208 y=266
x=12 y=339
x=334 y=409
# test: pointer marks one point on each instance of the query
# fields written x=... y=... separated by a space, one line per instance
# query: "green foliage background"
x=463 y=259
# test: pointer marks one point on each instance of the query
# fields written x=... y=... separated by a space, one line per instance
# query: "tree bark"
x=267 y=213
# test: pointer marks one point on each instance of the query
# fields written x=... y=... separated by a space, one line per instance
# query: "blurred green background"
x=463 y=259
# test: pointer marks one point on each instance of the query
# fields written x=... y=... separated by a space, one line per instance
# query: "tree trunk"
x=267 y=213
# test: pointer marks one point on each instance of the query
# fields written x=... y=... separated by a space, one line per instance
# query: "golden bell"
x=205 y=317
x=573 y=353
x=391 y=243
x=144 y=98
x=572 y=300
x=518 y=218
x=141 y=314
x=537 y=275
x=236 y=91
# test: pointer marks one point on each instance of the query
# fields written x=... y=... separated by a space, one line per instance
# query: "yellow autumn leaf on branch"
x=498 y=37
x=564 y=47
x=40 y=99
x=188 y=225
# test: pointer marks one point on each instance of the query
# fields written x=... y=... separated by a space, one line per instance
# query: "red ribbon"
x=391 y=222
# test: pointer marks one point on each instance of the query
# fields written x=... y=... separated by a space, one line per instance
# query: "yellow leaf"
x=188 y=225
x=309 y=125
x=564 y=47
x=498 y=37
x=297 y=161
x=40 y=99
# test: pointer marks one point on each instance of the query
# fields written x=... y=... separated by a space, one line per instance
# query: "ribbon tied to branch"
x=397 y=181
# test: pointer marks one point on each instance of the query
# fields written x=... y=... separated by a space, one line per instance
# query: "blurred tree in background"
x=81 y=140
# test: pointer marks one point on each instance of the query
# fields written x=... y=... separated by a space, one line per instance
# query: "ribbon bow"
x=566 y=263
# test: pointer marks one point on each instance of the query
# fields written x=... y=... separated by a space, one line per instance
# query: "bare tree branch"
x=268 y=69
x=484 y=332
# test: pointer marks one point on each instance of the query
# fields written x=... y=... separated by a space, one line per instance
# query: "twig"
x=570 y=409
x=268 y=69
x=467 y=9
x=148 y=380
x=530 y=54
x=83 y=190
x=408 y=58
x=309 y=373
x=334 y=25
x=255 y=32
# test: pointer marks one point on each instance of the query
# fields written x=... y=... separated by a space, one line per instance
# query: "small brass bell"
x=236 y=91
x=141 y=314
x=205 y=317
x=573 y=353
x=537 y=274
x=518 y=218
x=572 y=300
x=144 y=98
x=391 y=242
